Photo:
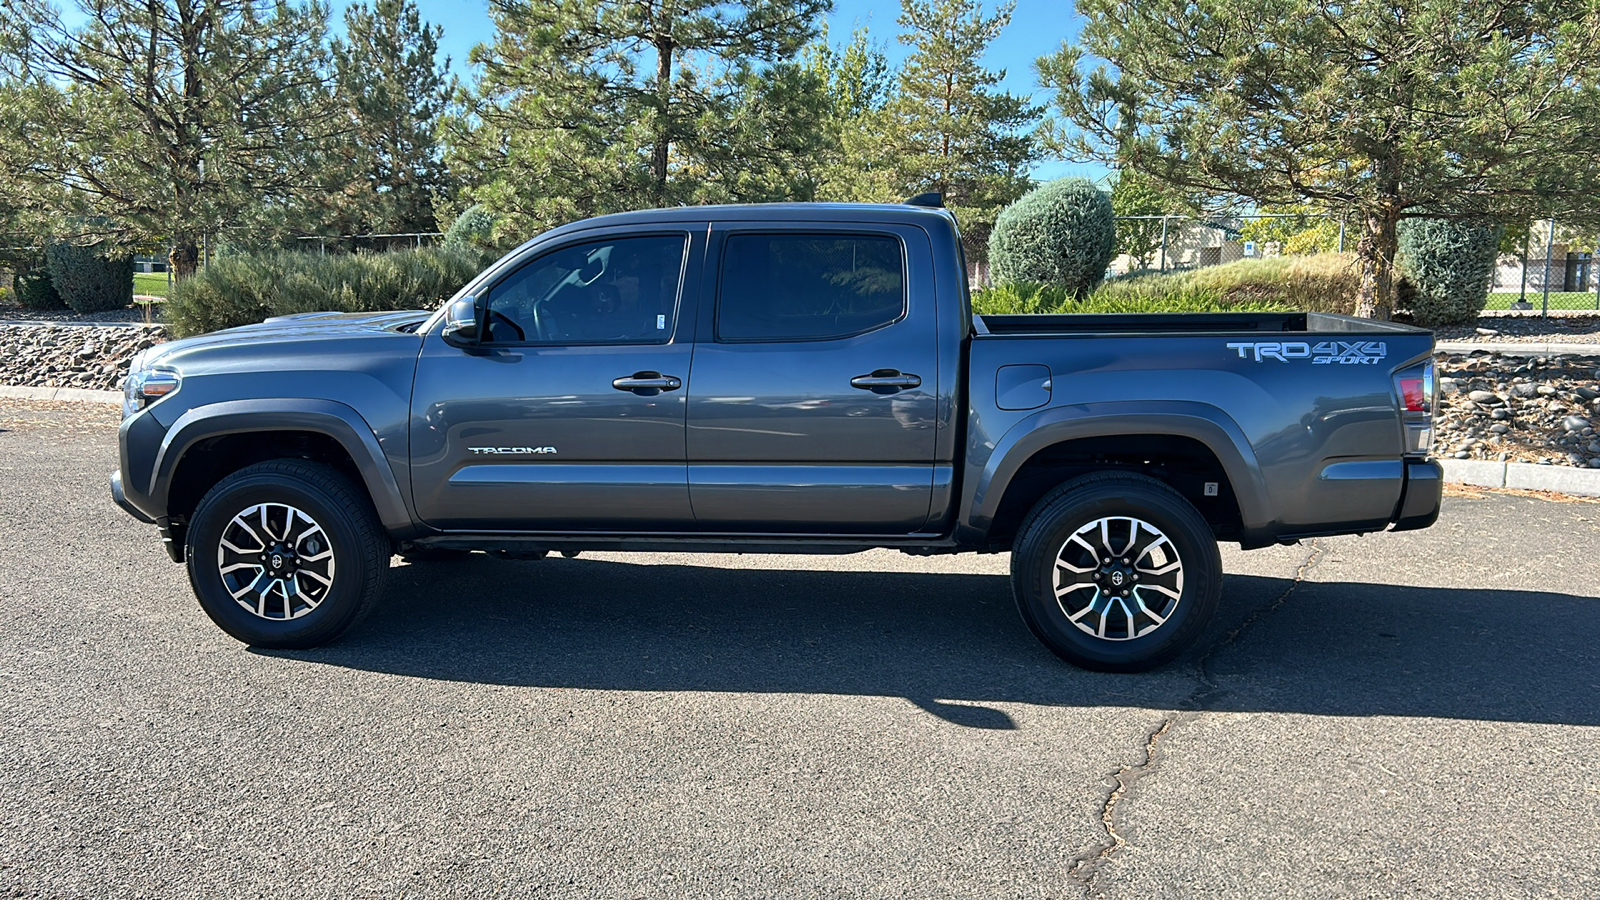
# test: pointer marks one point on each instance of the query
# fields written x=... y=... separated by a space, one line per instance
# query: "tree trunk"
x=658 y=160
x=1375 y=252
x=183 y=258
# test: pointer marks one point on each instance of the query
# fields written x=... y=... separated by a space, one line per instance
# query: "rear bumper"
x=1421 y=497
x=120 y=497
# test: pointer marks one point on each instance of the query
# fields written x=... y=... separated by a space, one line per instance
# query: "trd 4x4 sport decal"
x=1322 y=353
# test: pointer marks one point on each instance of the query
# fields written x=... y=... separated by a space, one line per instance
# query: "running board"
x=699 y=543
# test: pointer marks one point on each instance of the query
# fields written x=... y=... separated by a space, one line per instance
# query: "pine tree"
x=166 y=119
x=1386 y=109
x=395 y=90
x=950 y=130
x=592 y=106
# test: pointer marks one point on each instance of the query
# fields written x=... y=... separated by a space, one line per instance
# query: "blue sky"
x=1037 y=27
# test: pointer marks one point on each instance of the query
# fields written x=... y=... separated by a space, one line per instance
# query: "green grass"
x=1323 y=283
x=1558 y=299
x=151 y=283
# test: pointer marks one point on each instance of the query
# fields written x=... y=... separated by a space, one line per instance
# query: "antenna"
x=930 y=199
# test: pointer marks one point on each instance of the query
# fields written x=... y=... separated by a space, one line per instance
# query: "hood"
x=312 y=326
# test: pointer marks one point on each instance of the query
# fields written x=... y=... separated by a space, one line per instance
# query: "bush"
x=1446 y=267
x=88 y=280
x=35 y=290
x=472 y=230
x=245 y=288
x=1062 y=233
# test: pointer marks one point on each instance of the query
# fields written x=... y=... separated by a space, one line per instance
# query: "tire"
x=1091 y=623
x=329 y=573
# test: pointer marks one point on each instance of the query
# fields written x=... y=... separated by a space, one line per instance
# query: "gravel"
x=1522 y=328
x=1519 y=409
x=135 y=313
x=94 y=357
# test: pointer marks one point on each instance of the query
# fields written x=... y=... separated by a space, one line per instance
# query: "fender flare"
x=327 y=417
x=1205 y=423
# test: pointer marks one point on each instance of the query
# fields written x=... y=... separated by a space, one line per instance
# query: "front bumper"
x=1421 y=497
x=121 y=499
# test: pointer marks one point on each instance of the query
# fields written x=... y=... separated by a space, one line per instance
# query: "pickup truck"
x=793 y=378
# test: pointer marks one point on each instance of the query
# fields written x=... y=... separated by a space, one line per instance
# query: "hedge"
x=87 y=279
x=245 y=288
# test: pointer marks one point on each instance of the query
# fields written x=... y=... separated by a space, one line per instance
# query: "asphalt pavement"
x=1398 y=714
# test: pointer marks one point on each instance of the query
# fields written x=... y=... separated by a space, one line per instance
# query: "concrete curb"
x=79 y=395
x=1523 y=476
x=1552 y=349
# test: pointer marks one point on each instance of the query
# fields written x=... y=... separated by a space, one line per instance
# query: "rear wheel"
x=1116 y=572
x=286 y=554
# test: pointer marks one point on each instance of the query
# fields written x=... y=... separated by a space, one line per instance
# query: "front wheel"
x=1116 y=572
x=286 y=554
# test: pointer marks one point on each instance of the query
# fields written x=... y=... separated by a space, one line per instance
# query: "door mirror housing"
x=461 y=323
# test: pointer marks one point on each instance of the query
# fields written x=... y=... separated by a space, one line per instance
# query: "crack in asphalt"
x=1086 y=865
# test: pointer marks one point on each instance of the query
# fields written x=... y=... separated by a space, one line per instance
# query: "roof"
x=800 y=212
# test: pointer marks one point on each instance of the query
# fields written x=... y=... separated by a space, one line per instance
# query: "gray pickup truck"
x=771 y=379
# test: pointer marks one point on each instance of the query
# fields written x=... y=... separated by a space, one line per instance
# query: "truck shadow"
x=952 y=643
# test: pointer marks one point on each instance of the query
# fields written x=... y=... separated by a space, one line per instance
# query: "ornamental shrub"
x=472 y=230
x=88 y=280
x=1062 y=234
x=35 y=290
x=1448 y=264
x=245 y=288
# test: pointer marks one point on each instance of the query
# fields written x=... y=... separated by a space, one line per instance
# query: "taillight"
x=1415 y=386
x=1411 y=391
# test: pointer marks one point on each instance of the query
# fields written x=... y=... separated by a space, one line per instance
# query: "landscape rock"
x=95 y=357
x=1510 y=408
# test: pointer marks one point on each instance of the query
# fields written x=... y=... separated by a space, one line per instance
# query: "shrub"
x=35 y=290
x=472 y=230
x=245 y=288
x=1062 y=233
x=1448 y=264
x=88 y=280
x=1325 y=282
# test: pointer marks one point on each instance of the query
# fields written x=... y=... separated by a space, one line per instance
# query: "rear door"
x=569 y=415
x=814 y=400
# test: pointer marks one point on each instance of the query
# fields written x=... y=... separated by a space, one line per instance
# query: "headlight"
x=146 y=386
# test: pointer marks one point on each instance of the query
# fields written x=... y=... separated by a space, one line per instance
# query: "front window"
x=616 y=291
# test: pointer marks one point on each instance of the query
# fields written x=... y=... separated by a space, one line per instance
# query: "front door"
x=569 y=415
x=814 y=403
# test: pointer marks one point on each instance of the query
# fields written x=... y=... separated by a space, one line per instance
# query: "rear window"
x=809 y=287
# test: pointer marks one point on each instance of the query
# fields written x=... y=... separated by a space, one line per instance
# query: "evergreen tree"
x=949 y=129
x=395 y=90
x=165 y=118
x=1390 y=110
x=593 y=106
x=857 y=83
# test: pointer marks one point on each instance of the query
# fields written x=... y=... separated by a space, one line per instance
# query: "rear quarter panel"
x=1312 y=438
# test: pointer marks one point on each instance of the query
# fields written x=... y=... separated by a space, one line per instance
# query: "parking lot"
x=1407 y=714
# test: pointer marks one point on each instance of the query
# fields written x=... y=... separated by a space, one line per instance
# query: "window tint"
x=620 y=291
x=784 y=287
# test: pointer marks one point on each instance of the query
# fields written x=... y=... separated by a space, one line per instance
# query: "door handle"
x=886 y=381
x=647 y=384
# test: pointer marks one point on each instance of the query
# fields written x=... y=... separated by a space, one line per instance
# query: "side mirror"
x=461 y=323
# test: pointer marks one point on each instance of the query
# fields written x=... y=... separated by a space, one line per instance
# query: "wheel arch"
x=243 y=432
x=1181 y=443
